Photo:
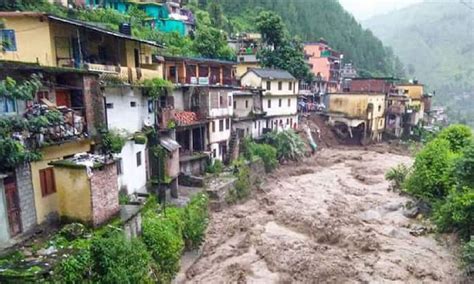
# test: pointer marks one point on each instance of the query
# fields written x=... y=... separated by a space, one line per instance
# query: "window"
x=287 y=121
x=229 y=98
x=214 y=153
x=213 y=126
x=7 y=105
x=290 y=86
x=139 y=159
x=133 y=104
x=221 y=125
x=279 y=103
x=246 y=104
x=269 y=85
x=221 y=100
x=48 y=186
x=291 y=122
x=380 y=107
x=7 y=37
x=269 y=103
x=235 y=104
x=255 y=124
x=289 y=102
x=109 y=105
x=227 y=123
x=280 y=86
x=119 y=167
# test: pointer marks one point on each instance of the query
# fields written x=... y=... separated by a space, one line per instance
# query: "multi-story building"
x=76 y=56
x=249 y=117
x=360 y=116
x=416 y=106
x=200 y=108
x=326 y=65
x=164 y=15
x=246 y=46
x=279 y=100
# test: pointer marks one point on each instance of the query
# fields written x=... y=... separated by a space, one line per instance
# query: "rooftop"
x=272 y=74
x=78 y=24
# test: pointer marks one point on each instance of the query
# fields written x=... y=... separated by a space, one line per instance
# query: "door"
x=137 y=58
x=13 y=207
x=63 y=98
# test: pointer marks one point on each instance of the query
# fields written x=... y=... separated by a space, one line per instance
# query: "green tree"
x=216 y=14
x=271 y=26
x=211 y=43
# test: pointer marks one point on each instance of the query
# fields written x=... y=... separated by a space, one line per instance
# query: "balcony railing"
x=127 y=74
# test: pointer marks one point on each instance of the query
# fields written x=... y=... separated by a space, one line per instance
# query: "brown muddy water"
x=329 y=219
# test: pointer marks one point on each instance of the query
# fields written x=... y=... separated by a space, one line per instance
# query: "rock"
x=49 y=251
x=418 y=230
x=73 y=231
x=393 y=206
x=411 y=212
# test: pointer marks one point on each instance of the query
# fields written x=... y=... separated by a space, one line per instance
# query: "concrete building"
x=249 y=118
x=279 y=99
x=200 y=108
x=358 y=116
x=326 y=65
x=246 y=46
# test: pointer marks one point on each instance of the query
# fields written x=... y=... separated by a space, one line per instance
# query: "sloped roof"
x=273 y=74
x=169 y=144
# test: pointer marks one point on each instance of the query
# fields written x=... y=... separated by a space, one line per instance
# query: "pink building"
x=325 y=64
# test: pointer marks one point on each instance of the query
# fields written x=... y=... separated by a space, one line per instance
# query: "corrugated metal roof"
x=272 y=74
x=169 y=144
x=100 y=30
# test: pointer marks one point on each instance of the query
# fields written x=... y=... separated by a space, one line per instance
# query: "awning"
x=169 y=144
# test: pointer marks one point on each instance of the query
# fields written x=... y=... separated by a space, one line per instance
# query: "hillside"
x=313 y=19
x=436 y=43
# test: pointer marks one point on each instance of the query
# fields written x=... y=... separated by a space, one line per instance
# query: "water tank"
x=125 y=28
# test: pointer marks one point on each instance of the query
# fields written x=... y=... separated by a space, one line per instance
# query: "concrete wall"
x=220 y=103
x=48 y=207
x=285 y=87
x=243 y=105
x=289 y=105
x=74 y=192
x=133 y=178
x=4 y=232
x=122 y=115
x=282 y=122
x=33 y=41
x=172 y=164
x=251 y=80
x=217 y=135
x=105 y=195
x=26 y=197
x=243 y=67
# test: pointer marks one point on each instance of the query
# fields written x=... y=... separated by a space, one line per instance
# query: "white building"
x=128 y=111
x=220 y=115
x=249 y=119
x=279 y=100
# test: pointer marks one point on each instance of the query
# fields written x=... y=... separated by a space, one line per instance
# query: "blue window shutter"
x=9 y=40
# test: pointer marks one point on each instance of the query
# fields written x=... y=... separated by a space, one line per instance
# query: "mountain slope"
x=313 y=19
x=436 y=43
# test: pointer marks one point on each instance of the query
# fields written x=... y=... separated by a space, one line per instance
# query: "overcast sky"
x=364 y=9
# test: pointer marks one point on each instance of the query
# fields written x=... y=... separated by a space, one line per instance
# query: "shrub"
x=468 y=252
x=431 y=177
x=117 y=260
x=289 y=145
x=113 y=141
x=267 y=153
x=164 y=242
x=196 y=218
x=74 y=268
x=457 y=212
x=464 y=168
x=242 y=185
x=458 y=136
x=397 y=176
x=215 y=168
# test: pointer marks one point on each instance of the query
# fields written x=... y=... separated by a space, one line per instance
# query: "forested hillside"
x=435 y=41
x=311 y=20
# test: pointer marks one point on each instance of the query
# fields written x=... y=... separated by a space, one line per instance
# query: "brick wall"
x=26 y=197
x=94 y=102
x=105 y=191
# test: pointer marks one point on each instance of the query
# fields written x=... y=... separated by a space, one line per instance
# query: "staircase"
x=234 y=144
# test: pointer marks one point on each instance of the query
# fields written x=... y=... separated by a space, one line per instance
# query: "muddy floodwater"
x=327 y=219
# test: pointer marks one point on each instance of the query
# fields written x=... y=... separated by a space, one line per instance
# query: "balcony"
x=125 y=74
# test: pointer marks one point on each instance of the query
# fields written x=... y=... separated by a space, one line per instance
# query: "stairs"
x=234 y=144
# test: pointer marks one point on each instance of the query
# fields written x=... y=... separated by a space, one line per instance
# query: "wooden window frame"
x=46 y=188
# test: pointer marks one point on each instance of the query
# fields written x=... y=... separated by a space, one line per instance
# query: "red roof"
x=186 y=118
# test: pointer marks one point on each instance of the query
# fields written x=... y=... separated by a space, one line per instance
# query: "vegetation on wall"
x=113 y=141
x=289 y=145
x=157 y=87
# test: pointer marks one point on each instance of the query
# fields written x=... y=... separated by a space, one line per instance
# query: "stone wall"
x=26 y=197
x=94 y=102
x=105 y=194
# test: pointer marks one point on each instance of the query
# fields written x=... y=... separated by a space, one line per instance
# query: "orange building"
x=325 y=64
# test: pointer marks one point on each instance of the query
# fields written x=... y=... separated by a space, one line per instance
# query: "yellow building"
x=364 y=112
x=45 y=180
x=243 y=66
x=58 y=42
x=416 y=107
